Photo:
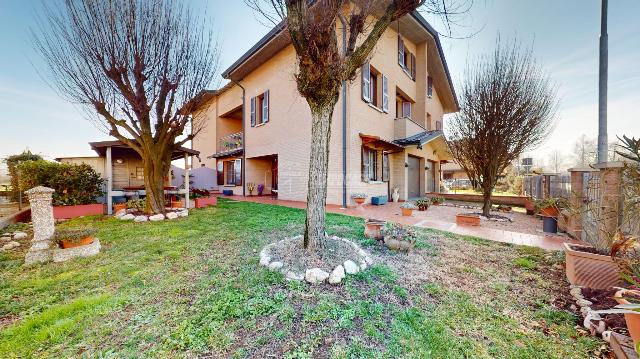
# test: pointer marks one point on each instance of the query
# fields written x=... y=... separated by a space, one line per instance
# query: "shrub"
x=423 y=204
x=359 y=195
x=437 y=199
x=408 y=205
x=12 y=163
x=558 y=203
x=198 y=193
x=137 y=204
x=73 y=184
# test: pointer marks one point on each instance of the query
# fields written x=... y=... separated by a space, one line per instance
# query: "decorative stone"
x=183 y=213
x=156 y=217
x=121 y=213
x=43 y=224
x=172 y=215
x=264 y=257
x=576 y=293
x=5 y=238
x=140 y=219
x=127 y=217
x=351 y=267
x=61 y=255
x=274 y=266
x=316 y=275
x=20 y=235
x=294 y=276
x=585 y=310
x=11 y=245
x=363 y=265
x=337 y=275
x=583 y=302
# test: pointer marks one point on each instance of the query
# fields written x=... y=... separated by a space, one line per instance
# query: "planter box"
x=632 y=320
x=373 y=229
x=68 y=212
x=590 y=270
x=206 y=201
x=227 y=192
x=379 y=200
x=467 y=219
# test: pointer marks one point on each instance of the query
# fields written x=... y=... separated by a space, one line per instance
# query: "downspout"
x=344 y=120
x=244 y=139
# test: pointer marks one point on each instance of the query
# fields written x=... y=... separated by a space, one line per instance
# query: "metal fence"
x=541 y=186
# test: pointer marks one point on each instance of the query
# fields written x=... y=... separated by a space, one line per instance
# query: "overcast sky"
x=563 y=34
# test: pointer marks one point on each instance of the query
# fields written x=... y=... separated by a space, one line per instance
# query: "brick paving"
x=391 y=212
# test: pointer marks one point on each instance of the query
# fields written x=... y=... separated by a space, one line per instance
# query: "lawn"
x=192 y=287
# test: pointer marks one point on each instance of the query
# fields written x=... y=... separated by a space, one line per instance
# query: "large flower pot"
x=359 y=200
x=633 y=320
x=407 y=212
x=549 y=212
x=589 y=269
x=177 y=204
x=373 y=229
x=68 y=243
x=467 y=219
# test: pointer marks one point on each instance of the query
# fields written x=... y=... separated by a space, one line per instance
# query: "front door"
x=431 y=177
x=413 y=181
x=274 y=173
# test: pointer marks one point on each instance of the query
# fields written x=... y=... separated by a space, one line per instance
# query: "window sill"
x=376 y=107
x=375 y=182
x=229 y=185
x=260 y=124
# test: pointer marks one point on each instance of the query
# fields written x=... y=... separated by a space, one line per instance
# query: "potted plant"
x=550 y=206
x=407 y=208
x=119 y=206
x=373 y=228
x=260 y=189
x=436 y=201
x=593 y=265
x=70 y=238
x=251 y=187
x=423 y=204
x=629 y=305
x=395 y=195
x=398 y=237
x=137 y=205
x=359 y=197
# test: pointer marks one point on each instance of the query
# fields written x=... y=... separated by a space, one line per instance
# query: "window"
x=385 y=167
x=429 y=123
x=220 y=173
x=438 y=125
x=233 y=172
x=260 y=109
x=403 y=107
x=375 y=87
x=369 y=164
x=406 y=59
x=429 y=86
x=139 y=173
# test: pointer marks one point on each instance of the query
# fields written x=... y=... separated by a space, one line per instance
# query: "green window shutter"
x=265 y=107
x=385 y=94
x=253 y=112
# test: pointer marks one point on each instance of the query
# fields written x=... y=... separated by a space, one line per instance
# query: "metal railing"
x=231 y=142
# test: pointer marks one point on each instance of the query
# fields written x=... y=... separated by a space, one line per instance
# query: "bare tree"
x=508 y=105
x=134 y=66
x=584 y=151
x=323 y=66
x=556 y=160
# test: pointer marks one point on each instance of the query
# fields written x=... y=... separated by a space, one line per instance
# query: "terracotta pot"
x=392 y=243
x=590 y=270
x=435 y=203
x=528 y=205
x=373 y=229
x=407 y=212
x=359 y=200
x=119 y=206
x=68 y=243
x=633 y=320
x=177 y=204
x=549 y=212
x=467 y=219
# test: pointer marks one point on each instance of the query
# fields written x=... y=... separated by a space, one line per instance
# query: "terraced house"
x=386 y=131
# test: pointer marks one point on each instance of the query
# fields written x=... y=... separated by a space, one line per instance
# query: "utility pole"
x=602 y=90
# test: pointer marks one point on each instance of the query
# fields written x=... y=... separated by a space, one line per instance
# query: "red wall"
x=506 y=200
x=67 y=212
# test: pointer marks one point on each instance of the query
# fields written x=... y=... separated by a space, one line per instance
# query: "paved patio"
x=429 y=219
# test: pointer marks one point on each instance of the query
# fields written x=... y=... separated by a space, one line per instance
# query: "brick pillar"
x=43 y=225
x=576 y=201
x=610 y=200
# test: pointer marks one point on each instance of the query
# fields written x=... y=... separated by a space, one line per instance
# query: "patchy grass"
x=192 y=287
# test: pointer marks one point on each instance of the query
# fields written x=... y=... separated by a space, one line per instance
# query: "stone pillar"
x=43 y=225
x=610 y=211
x=576 y=201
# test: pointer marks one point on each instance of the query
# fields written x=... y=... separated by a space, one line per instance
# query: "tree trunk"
x=486 y=207
x=155 y=169
x=314 y=230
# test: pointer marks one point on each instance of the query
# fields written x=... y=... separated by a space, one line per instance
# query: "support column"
x=576 y=201
x=186 y=180
x=610 y=199
x=43 y=225
x=109 y=171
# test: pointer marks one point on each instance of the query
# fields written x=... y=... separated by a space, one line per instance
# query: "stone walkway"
x=391 y=212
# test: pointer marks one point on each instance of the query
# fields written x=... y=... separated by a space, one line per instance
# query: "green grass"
x=193 y=287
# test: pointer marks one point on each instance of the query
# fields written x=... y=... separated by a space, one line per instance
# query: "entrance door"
x=431 y=177
x=413 y=180
x=274 y=173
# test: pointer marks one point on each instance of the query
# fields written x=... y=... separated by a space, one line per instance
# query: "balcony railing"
x=404 y=127
x=231 y=142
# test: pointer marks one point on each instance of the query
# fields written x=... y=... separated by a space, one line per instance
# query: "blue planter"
x=549 y=225
x=227 y=192
x=379 y=200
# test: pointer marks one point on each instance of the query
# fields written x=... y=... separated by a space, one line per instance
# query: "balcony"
x=404 y=127
x=230 y=143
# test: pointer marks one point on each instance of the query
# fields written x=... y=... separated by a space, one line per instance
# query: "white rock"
x=294 y=276
x=19 y=235
x=316 y=275
x=351 y=267
x=127 y=217
x=5 y=238
x=576 y=293
x=363 y=265
x=10 y=245
x=274 y=266
x=337 y=275
x=172 y=215
x=120 y=213
x=585 y=310
x=156 y=217
x=183 y=213
x=583 y=303
x=140 y=219
x=264 y=258
x=368 y=260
